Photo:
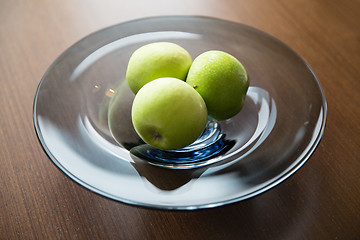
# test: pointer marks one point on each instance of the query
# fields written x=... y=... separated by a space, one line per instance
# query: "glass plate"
x=278 y=129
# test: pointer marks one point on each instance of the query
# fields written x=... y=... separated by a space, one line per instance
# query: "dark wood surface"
x=320 y=201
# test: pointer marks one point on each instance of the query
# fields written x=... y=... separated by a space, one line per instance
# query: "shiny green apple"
x=157 y=60
x=221 y=80
x=168 y=114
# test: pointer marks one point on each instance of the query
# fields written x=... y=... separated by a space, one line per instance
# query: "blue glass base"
x=203 y=151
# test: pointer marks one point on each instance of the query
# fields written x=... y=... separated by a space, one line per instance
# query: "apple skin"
x=168 y=114
x=221 y=80
x=157 y=60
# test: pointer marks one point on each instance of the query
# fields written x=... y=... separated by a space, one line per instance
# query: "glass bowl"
x=280 y=126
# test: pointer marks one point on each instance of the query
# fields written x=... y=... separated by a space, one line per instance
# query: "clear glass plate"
x=278 y=129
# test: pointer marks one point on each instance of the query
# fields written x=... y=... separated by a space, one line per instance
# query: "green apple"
x=157 y=60
x=221 y=80
x=168 y=114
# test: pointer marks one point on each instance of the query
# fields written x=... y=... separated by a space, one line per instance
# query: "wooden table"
x=320 y=201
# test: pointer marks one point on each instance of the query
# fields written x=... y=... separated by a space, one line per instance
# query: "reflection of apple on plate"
x=119 y=116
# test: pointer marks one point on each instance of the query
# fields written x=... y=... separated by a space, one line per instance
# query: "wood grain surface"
x=320 y=201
